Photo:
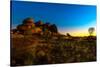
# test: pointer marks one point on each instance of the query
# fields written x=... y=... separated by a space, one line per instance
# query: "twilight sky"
x=69 y=18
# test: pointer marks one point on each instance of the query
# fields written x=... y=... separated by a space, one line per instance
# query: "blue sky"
x=67 y=17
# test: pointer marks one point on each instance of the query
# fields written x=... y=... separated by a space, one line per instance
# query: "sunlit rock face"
x=29 y=26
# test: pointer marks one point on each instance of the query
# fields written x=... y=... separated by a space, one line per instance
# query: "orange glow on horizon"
x=78 y=33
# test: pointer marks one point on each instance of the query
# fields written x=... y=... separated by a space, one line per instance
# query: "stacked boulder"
x=29 y=26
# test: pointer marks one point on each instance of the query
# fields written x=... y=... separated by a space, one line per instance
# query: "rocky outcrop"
x=29 y=26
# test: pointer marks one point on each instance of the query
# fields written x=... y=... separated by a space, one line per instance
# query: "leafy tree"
x=91 y=30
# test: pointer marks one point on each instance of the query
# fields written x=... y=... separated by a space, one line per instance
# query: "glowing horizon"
x=80 y=31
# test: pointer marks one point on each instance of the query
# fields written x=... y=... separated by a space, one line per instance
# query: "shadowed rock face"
x=53 y=28
x=39 y=23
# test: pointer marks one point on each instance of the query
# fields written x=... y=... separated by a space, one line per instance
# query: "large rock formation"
x=29 y=26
